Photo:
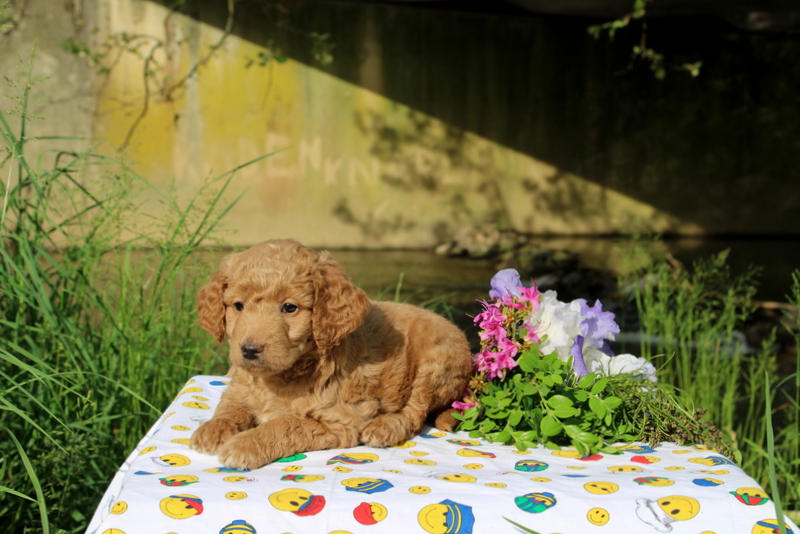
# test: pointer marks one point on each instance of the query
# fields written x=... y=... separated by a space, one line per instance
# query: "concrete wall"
x=431 y=122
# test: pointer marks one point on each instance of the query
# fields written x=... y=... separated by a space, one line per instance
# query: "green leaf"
x=599 y=386
x=530 y=389
x=597 y=407
x=612 y=403
x=503 y=436
x=558 y=401
x=562 y=412
x=488 y=425
x=550 y=426
x=586 y=381
x=553 y=446
x=515 y=418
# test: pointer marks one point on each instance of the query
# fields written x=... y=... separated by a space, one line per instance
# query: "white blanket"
x=436 y=483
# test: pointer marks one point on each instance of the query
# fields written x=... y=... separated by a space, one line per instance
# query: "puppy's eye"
x=289 y=308
x=238 y=306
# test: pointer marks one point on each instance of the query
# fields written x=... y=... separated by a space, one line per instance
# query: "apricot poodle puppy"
x=316 y=365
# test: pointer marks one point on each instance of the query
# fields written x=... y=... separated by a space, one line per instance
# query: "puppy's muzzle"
x=251 y=351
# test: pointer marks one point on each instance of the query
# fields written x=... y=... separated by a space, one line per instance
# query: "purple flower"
x=597 y=326
x=505 y=283
x=578 y=363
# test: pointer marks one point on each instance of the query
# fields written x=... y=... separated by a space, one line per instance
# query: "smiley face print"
x=601 y=488
x=298 y=501
x=181 y=506
x=172 y=460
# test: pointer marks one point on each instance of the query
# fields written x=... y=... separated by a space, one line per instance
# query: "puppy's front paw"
x=385 y=431
x=247 y=450
x=212 y=435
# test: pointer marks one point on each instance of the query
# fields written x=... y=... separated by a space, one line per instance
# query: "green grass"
x=97 y=320
x=690 y=319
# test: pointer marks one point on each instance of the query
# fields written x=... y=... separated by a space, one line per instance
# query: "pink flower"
x=494 y=363
x=463 y=406
x=531 y=294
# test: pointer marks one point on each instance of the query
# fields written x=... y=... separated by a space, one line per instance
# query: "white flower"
x=559 y=321
x=605 y=365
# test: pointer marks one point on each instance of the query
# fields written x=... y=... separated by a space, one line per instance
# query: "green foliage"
x=642 y=51
x=691 y=319
x=543 y=402
x=97 y=318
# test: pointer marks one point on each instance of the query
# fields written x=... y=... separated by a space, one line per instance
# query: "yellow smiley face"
x=197 y=405
x=578 y=467
x=755 y=492
x=173 y=460
x=433 y=518
x=180 y=428
x=419 y=490
x=473 y=466
x=438 y=434
x=418 y=453
x=768 y=526
x=181 y=441
x=654 y=481
x=379 y=511
x=179 y=480
x=567 y=453
x=119 y=507
x=146 y=450
x=517 y=451
x=238 y=478
x=678 y=507
x=458 y=477
x=541 y=479
x=338 y=469
x=113 y=531
x=496 y=485
x=181 y=506
x=405 y=445
x=290 y=500
x=601 y=488
x=625 y=468
x=294 y=468
x=235 y=495
x=674 y=468
x=191 y=390
x=598 y=516
x=717 y=472
x=197 y=397
x=473 y=453
x=681 y=451
x=393 y=471
x=417 y=461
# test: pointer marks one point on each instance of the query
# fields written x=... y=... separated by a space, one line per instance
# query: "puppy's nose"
x=252 y=351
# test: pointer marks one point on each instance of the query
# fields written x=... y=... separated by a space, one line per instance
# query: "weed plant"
x=97 y=321
x=691 y=321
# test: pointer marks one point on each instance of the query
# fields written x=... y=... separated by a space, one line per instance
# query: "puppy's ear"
x=339 y=306
x=210 y=306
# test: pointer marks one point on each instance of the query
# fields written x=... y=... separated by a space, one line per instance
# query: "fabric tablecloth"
x=442 y=483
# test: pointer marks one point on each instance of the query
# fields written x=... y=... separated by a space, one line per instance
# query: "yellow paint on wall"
x=356 y=169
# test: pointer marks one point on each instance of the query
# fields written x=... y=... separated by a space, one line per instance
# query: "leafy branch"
x=642 y=51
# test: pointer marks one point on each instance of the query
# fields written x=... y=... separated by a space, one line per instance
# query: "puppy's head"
x=278 y=301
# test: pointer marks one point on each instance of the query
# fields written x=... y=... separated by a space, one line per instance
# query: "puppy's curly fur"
x=315 y=364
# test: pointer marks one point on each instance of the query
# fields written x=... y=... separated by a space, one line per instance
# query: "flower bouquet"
x=546 y=374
